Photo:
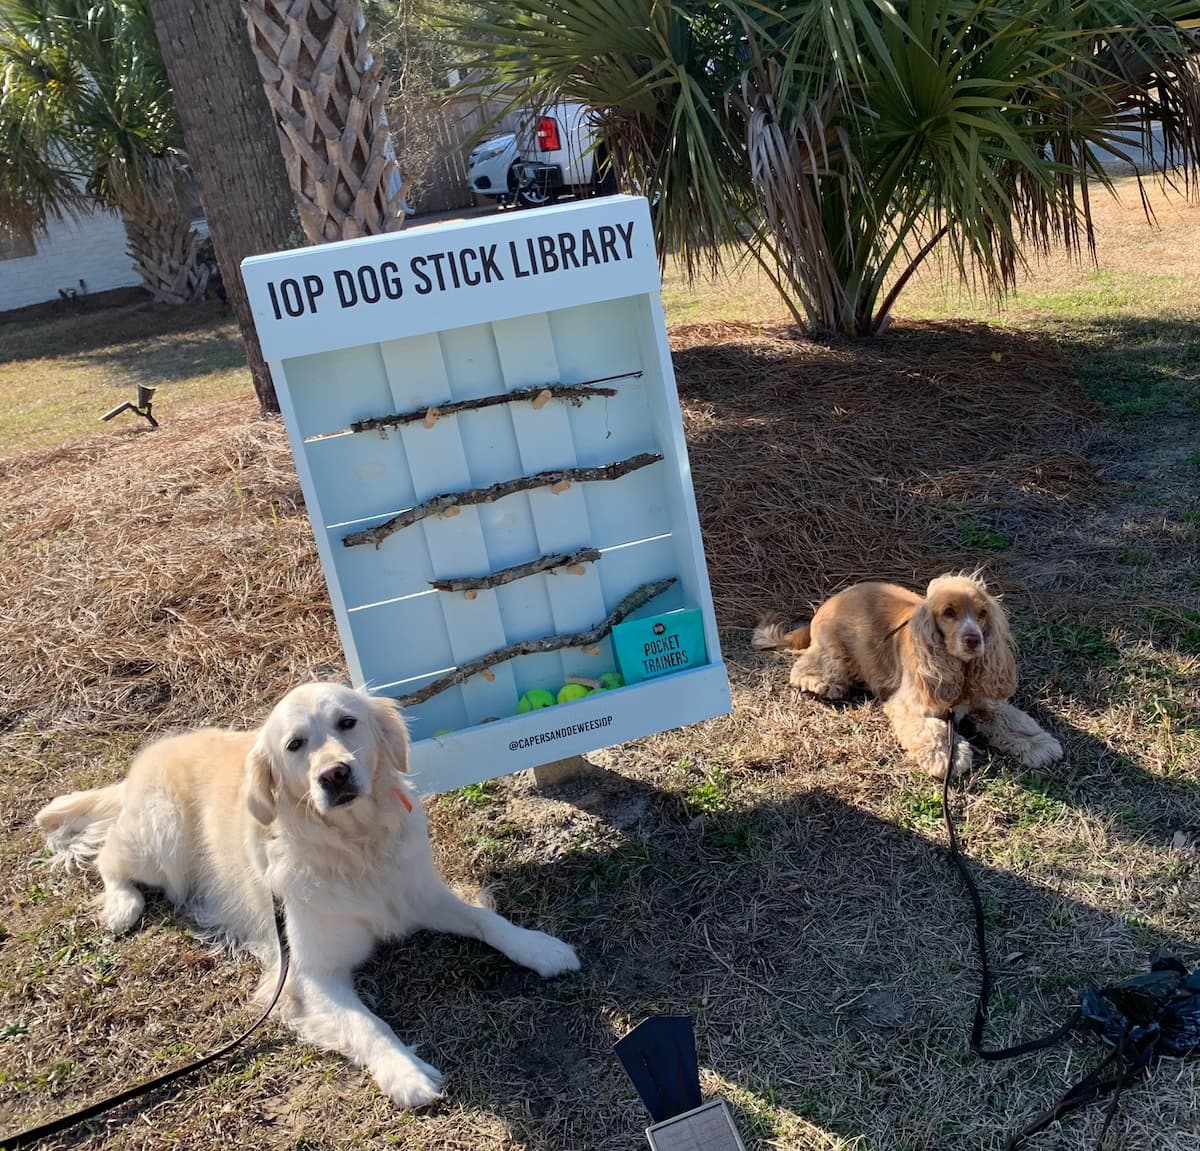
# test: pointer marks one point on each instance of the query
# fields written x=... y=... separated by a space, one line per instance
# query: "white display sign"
x=487 y=433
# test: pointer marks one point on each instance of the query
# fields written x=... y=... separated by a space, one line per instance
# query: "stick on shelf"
x=574 y=393
x=450 y=502
x=517 y=571
x=634 y=600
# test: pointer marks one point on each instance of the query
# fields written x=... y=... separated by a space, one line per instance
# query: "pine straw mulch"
x=170 y=574
x=775 y=874
x=816 y=464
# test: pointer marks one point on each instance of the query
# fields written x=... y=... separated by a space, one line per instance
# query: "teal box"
x=660 y=644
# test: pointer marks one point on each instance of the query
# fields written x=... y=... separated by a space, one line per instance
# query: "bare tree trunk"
x=232 y=146
x=328 y=96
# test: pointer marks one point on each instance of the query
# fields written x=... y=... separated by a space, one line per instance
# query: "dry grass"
x=775 y=874
x=184 y=557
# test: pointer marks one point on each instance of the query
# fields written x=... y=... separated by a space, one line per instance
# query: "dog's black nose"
x=971 y=641
x=338 y=783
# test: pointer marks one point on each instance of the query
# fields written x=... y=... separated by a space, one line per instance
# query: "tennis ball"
x=611 y=679
x=532 y=700
x=570 y=691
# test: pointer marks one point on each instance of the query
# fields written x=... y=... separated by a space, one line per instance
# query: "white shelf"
x=334 y=365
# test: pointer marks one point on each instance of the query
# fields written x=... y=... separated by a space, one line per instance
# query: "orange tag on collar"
x=398 y=792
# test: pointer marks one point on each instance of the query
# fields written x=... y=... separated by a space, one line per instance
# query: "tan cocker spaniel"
x=949 y=652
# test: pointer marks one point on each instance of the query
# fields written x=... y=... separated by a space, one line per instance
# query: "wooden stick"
x=634 y=600
x=518 y=571
x=450 y=502
x=575 y=393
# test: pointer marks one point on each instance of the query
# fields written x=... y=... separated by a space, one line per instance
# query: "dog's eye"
x=295 y=744
x=346 y=722
x=948 y=613
x=981 y=614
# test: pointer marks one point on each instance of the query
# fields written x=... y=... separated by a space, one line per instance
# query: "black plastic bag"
x=1142 y=1020
x=1160 y=1009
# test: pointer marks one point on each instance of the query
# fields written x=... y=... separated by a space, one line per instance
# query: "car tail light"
x=547 y=134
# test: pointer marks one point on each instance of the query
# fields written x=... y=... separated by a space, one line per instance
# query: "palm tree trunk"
x=163 y=246
x=328 y=98
x=232 y=149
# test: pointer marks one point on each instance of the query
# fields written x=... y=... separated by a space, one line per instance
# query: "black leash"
x=1094 y=1084
x=985 y=972
x=57 y=1126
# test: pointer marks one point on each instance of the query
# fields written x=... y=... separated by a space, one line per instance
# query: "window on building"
x=16 y=243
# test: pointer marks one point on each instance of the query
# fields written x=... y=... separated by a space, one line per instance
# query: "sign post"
x=485 y=424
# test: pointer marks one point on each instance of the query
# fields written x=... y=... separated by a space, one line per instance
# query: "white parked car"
x=555 y=153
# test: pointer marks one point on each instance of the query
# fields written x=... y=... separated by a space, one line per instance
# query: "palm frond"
x=848 y=140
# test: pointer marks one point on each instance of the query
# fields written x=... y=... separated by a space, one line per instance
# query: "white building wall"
x=89 y=248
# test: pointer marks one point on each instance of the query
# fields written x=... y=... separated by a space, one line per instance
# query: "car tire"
x=536 y=197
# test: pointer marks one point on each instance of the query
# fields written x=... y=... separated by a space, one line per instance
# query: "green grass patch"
x=1026 y=803
x=1082 y=643
x=1138 y=368
x=474 y=794
x=918 y=808
x=977 y=537
x=739 y=838
x=1179 y=627
x=59 y=375
x=1133 y=555
x=712 y=795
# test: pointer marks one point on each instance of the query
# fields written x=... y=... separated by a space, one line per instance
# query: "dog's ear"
x=938 y=675
x=260 y=782
x=391 y=732
x=994 y=674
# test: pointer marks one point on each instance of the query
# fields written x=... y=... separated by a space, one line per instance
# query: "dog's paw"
x=543 y=953
x=1041 y=750
x=408 y=1081
x=121 y=908
x=814 y=685
x=935 y=762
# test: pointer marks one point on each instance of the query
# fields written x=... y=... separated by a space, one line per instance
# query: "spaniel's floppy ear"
x=391 y=733
x=994 y=674
x=260 y=782
x=937 y=675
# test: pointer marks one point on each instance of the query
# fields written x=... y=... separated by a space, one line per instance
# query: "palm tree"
x=328 y=96
x=88 y=119
x=842 y=143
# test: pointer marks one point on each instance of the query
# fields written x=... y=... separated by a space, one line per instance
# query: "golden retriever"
x=925 y=658
x=312 y=809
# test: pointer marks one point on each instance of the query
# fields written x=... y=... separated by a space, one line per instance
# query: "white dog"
x=312 y=809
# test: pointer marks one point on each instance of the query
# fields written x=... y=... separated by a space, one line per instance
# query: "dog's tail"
x=76 y=825
x=775 y=633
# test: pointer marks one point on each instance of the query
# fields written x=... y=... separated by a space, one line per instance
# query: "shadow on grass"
x=817 y=465
x=86 y=332
x=1136 y=367
x=177 y=357
x=825 y=956
x=1136 y=805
